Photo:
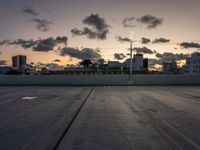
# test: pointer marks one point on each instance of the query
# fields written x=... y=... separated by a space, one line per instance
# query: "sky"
x=68 y=31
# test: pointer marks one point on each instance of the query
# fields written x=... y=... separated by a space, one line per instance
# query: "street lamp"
x=131 y=57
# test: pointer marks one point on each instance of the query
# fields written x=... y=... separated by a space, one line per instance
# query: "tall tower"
x=19 y=62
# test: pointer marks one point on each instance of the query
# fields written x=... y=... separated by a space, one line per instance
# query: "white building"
x=138 y=62
x=193 y=63
x=169 y=67
x=19 y=63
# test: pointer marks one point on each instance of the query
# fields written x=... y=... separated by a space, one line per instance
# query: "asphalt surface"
x=100 y=118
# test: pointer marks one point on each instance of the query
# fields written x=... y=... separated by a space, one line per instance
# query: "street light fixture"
x=131 y=57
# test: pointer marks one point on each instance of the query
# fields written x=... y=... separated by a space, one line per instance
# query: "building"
x=193 y=64
x=19 y=63
x=114 y=64
x=139 y=63
x=170 y=67
x=145 y=64
x=4 y=69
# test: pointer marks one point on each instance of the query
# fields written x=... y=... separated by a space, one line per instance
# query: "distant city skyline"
x=65 y=32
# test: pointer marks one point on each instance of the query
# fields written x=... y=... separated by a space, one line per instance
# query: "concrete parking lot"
x=100 y=118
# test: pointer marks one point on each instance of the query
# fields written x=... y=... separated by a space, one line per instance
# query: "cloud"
x=24 y=43
x=96 y=21
x=190 y=45
x=85 y=53
x=30 y=11
x=152 y=62
x=168 y=56
x=89 y=33
x=119 y=56
x=40 y=45
x=145 y=40
x=45 y=45
x=161 y=40
x=61 y=39
x=143 y=50
x=100 y=29
x=150 y=21
x=3 y=62
x=121 y=39
x=128 y=22
x=42 y=24
x=57 y=60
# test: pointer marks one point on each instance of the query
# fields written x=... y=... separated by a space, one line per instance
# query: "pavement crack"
x=57 y=143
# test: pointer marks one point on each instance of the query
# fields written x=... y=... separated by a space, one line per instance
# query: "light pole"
x=97 y=66
x=131 y=57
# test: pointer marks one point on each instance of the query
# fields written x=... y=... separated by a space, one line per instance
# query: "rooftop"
x=104 y=117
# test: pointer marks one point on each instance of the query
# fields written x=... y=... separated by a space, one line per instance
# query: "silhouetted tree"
x=86 y=63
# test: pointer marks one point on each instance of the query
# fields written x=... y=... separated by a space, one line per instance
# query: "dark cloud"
x=161 y=40
x=143 y=50
x=100 y=28
x=57 y=60
x=42 y=24
x=168 y=56
x=150 y=21
x=145 y=40
x=128 y=22
x=119 y=56
x=41 y=45
x=96 y=21
x=76 y=31
x=61 y=40
x=190 y=45
x=152 y=62
x=24 y=43
x=196 y=52
x=30 y=11
x=90 y=33
x=3 y=62
x=121 y=39
x=45 y=45
x=85 y=53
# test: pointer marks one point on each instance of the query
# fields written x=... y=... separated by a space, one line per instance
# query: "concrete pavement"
x=112 y=118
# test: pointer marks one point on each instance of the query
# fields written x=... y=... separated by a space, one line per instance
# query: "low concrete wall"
x=86 y=80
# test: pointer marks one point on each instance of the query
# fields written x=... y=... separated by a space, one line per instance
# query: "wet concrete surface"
x=112 y=118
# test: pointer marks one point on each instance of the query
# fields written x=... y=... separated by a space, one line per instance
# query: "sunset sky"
x=76 y=29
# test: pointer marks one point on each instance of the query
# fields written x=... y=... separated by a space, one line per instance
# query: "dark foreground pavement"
x=100 y=118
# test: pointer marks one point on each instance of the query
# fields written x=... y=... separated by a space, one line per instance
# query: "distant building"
x=55 y=67
x=193 y=64
x=145 y=64
x=19 y=63
x=4 y=69
x=114 y=64
x=170 y=67
x=139 y=63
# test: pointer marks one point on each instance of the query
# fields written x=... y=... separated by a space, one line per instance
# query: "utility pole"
x=131 y=61
x=131 y=58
